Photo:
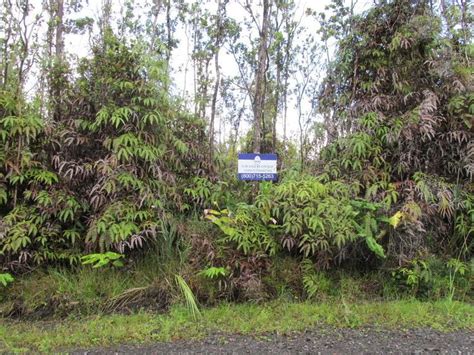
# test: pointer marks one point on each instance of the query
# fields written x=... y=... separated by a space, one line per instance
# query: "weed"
x=456 y=267
x=188 y=297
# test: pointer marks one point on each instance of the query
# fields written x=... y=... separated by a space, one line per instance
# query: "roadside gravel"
x=324 y=340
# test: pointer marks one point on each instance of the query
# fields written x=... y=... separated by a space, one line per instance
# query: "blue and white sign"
x=257 y=167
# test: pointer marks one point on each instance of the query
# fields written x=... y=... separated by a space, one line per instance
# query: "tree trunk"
x=6 y=42
x=259 y=101
x=58 y=62
x=104 y=21
x=169 y=44
x=156 y=12
x=290 y=32
x=59 y=30
x=218 y=78
x=277 y=104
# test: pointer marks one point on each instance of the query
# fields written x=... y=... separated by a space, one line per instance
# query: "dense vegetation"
x=105 y=165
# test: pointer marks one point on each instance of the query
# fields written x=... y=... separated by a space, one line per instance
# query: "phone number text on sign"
x=257 y=167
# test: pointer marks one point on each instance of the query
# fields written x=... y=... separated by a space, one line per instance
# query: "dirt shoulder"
x=324 y=340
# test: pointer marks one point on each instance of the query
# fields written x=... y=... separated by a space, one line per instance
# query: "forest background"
x=112 y=168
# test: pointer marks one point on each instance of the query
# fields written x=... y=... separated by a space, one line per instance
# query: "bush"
x=305 y=217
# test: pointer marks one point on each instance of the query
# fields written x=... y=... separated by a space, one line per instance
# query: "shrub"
x=304 y=216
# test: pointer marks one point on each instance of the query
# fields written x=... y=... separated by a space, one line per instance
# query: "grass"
x=81 y=290
x=253 y=319
x=77 y=303
x=84 y=286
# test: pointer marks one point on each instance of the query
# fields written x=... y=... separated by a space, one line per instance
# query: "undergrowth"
x=153 y=284
x=278 y=317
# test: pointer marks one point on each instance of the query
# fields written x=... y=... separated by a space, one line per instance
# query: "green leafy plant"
x=401 y=128
x=102 y=259
x=109 y=173
x=315 y=284
x=416 y=276
x=303 y=214
x=456 y=267
x=213 y=276
x=207 y=194
x=5 y=279
x=214 y=272
x=245 y=229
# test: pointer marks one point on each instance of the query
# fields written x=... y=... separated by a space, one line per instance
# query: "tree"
x=219 y=36
x=283 y=54
x=260 y=75
x=56 y=70
x=306 y=76
x=337 y=25
x=408 y=135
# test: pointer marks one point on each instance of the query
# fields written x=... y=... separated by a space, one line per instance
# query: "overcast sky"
x=78 y=45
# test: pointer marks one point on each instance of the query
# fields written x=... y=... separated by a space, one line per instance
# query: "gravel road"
x=325 y=341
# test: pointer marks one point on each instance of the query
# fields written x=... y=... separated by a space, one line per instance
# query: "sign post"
x=257 y=167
